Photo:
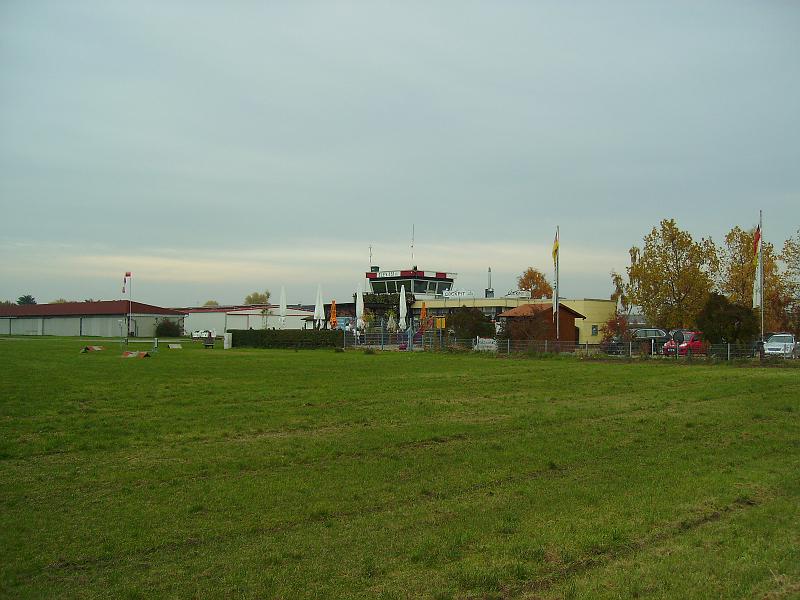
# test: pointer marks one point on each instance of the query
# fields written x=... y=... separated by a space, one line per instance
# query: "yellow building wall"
x=596 y=311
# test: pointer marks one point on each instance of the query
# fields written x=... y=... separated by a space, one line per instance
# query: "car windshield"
x=780 y=339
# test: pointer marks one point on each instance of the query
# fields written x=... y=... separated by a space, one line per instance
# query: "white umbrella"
x=402 y=323
x=360 y=308
x=319 y=308
x=283 y=307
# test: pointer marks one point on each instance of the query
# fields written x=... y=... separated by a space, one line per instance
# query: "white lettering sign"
x=458 y=293
x=388 y=273
x=518 y=294
x=486 y=344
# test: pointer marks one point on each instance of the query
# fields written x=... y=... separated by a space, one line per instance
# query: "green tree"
x=257 y=297
x=723 y=321
x=26 y=299
x=212 y=303
x=168 y=328
x=470 y=322
x=671 y=276
x=7 y=303
x=534 y=281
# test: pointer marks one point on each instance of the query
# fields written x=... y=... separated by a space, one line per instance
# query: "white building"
x=225 y=318
x=101 y=319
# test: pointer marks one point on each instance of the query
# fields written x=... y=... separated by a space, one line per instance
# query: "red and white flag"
x=125 y=280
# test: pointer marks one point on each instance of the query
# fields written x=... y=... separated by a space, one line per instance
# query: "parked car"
x=693 y=343
x=677 y=336
x=758 y=345
x=782 y=344
x=650 y=340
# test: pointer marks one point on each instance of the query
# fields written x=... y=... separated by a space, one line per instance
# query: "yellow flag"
x=555 y=248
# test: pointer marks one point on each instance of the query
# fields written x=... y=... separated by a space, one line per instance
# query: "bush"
x=167 y=328
x=287 y=338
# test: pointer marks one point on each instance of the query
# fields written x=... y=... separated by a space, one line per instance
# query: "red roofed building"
x=536 y=322
x=101 y=319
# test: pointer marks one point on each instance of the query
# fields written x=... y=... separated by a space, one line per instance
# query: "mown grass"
x=314 y=474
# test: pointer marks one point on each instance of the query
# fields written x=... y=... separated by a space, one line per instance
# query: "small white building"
x=258 y=316
x=100 y=319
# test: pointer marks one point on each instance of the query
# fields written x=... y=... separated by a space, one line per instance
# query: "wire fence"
x=439 y=341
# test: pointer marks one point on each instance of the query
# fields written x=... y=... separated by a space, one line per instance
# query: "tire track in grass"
x=610 y=554
x=541 y=584
x=370 y=453
x=108 y=561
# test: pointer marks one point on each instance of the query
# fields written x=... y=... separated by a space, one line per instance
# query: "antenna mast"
x=412 y=244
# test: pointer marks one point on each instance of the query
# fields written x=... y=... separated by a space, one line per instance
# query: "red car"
x=692 y=343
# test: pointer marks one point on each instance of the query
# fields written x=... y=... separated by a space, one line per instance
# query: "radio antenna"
x=412 y=244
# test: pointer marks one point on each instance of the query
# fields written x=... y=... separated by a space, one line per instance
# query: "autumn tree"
x=257 y=297
x=616 y=327
x=724 y=321
x=671 y=276
x=620 y=294
x=737 y=270
x=791 y=258
x=534 y=281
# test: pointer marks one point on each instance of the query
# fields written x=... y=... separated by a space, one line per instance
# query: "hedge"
x=287 y=338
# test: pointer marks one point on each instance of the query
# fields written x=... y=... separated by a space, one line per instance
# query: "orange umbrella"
x=423 y=317
x=333 y=315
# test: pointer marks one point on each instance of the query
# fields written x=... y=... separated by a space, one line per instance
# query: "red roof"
x=531 y=310
x=77 y=309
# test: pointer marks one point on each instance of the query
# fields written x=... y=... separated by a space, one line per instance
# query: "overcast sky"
x=216 y=148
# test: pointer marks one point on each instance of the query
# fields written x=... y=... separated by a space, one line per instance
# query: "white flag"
x=757 y=280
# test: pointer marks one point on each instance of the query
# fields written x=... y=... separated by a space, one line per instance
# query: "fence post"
x=630 y=349
x=508 y=346
x=729 y=352
x=545 y=346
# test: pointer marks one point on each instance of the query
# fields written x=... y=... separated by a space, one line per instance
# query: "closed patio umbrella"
x=333 y=321
x=319 y=308
x=402 y=322
x=282 y=309
x=360 y=308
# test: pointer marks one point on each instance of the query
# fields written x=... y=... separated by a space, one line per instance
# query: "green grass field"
x=314 y=474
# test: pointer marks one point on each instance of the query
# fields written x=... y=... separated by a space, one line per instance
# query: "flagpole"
x=761 y=267
x=558 y=259
x=130 y=303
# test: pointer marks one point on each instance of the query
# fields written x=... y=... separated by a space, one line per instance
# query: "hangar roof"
x=76 y=309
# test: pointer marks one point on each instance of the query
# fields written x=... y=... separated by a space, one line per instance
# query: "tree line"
x=679 y=282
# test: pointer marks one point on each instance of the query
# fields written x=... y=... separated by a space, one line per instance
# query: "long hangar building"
x=100 y=319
